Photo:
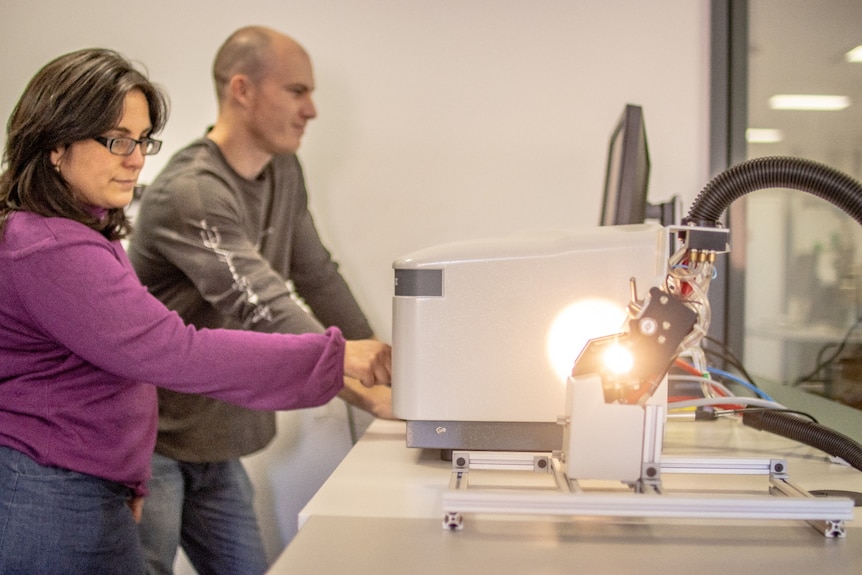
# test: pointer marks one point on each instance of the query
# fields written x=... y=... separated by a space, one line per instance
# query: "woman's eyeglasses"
x=125 y=146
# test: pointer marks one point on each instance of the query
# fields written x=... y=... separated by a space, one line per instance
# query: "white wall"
x=439 y=120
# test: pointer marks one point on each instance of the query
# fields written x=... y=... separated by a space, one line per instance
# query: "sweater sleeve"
x=80 y=291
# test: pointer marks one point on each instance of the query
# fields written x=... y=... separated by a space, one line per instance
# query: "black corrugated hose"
x=824 y=182
x=828 y=183
x=794 y=427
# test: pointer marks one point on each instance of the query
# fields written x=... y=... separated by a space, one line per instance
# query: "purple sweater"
x=79 y=336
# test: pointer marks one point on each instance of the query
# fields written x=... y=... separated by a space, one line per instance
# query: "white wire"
x=696 y=277
x=728 y=398
x=731 y=400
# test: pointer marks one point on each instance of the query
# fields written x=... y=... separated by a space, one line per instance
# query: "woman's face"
x=95 y=175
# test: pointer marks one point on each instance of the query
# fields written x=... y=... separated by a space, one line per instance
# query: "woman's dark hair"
x=78 y=96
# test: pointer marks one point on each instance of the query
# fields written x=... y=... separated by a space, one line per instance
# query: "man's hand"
x=375 y=400
x=369 y=361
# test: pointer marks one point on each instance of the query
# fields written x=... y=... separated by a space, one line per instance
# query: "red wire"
x=684 y=365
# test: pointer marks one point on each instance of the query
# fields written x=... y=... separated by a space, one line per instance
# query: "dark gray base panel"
x=485 y=435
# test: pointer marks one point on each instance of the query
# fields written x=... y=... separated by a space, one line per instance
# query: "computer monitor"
x=627 y=176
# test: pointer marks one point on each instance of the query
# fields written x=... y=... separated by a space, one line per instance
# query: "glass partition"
x=803 y=256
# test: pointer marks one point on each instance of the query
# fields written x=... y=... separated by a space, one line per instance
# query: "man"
x=224 y=237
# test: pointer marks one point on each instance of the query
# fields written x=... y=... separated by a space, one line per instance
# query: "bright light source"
x=618 y=359
x=577 y=324
x=763 y=136
x=808 y=102
x=854 y=55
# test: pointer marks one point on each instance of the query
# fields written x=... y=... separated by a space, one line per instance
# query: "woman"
x=82 y=343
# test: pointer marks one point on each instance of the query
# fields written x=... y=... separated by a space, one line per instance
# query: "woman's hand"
x=369 y=361
x=375 y=400
x=136 y=504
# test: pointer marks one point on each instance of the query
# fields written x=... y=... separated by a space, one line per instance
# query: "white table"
x=381 y=512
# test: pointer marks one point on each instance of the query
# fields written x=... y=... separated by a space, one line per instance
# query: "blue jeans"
x=208 y=509
x=54 y=520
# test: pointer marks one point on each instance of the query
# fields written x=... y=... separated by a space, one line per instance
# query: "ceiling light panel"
x=808 y=102
x=854 y=55
x=763 y=136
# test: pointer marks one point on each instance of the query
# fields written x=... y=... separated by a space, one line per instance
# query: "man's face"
x=282 y=105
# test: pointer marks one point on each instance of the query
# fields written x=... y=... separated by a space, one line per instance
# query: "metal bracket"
x=826 y=514
x=828 y=527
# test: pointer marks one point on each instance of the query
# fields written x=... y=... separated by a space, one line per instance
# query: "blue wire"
x=741 y=382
